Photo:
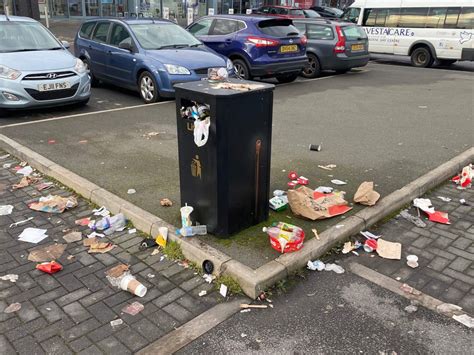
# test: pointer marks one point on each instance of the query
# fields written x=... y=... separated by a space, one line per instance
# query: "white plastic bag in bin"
x=201 y=131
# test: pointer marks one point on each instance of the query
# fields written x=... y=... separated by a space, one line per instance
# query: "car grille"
x=201 y=71
x=52 y=95
x=50 y=76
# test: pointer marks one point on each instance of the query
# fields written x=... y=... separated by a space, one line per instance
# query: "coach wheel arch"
x=422 y=55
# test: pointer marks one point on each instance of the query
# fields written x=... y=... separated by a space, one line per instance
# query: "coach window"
x=380 y=19
x=393 y=17
x=369 y=17
x=466 y=19
x=436 y=17
x=413 y=17
x=452 y=17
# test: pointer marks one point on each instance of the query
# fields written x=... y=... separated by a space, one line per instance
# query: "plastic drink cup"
x=185 y=216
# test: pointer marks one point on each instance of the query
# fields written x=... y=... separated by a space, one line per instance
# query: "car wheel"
x=94 y=81
x=287 y=78
x=313 y=69
x=148 y=88
x=446 y=62
x=241 y=69
x=421 y=57
x=3 y=113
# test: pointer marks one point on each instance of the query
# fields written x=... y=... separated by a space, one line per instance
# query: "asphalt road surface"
x=386 y=123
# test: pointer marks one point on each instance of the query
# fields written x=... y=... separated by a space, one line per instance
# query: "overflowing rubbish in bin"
x=285 y=237
x=200 y=113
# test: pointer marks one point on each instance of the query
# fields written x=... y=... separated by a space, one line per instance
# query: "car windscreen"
x=278 y=28
x=335 y=11
x=311 y=13
x=20 y=36
x=163 y=35
x=354 y=33
x=296 y=12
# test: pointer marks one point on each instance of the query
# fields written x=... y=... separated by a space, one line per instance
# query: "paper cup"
x=130 y=284
x=412 y=261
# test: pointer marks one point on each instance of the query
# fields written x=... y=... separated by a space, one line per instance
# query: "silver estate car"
x=37 y=70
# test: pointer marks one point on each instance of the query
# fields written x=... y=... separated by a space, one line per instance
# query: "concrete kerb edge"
x=251 y=281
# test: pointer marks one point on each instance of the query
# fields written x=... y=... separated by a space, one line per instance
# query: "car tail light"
x=340 y=46
x=263 y=42
x=304 y=40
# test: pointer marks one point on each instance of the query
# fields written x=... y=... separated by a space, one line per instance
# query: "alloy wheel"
x=147 y=88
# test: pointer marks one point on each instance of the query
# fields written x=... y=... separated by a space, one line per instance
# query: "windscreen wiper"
x=174 y=46
x=25 y=50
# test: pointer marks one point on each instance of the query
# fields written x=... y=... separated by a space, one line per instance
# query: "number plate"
x=357 y=47
x=54 y=86
x=289 y=48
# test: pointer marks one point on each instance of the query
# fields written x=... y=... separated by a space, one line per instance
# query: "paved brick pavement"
x=70 y=311
x=445 y=252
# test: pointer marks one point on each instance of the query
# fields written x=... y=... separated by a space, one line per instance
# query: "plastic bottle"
x=193 y=230
x=110 y=224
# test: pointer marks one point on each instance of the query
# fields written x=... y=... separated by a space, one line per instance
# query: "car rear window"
x=278 y=28
x=354 y=33
x=296 y=13
x=86 y=29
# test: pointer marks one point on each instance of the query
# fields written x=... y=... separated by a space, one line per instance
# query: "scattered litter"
x=184 y=264
x=424 y=204
x=10 y=277
x=23 y=164
x=202 y=293
x=369 y=235
x=46 y=253
x=315 y=147
x=44 y=186
x=302 y=180
x=150 y=134
x=119 y=276
x=398 y=278
x=315 y=232
x=133 y=309
x=447 y=308
x=73 y=237
x=95 y=235
x=208 y=278
x=104 y=212
x=147 y=243
x=315 y=265
x=324 y=189
x=316 y=205
x=411 y=308
x=408 y=289
x=162 y=257
x=238 y=87
x=7 y=166
x=116 y=322
x=83 y=221
x=53 y=204
x=32 y=235
x=150 y=276
x=278 y=203
x=131 y=231
x=285 y=237
x=463 y=202
x=348 y=247
x=422 y=107
x=389 y=250
x=100 y=248
x=155 y=252
x=339 y=226
x=131 y=191
x=223 y=290
x=338 y=182
x=6 y=210
x=15 y=224
x=51 y=141
x=334 y=267
x=14 y=307
x=246 y=306
x=370 y=245
x=245 y=310
x=70 y=257
x=468 y=321
x=24 y=182
x=189 y=231
x=26 y=171
x=439 y=217
x=365 y=194
x=110 y=224
x=464 y=180
x=415 y=220
x=445 y=199
x=243 y=335
x=271 y=306
x=162 y=236
x=4 y=156
x=49 y=267
x=84 y=141
x=165 y=202
x=412 y=261
x=327 y=167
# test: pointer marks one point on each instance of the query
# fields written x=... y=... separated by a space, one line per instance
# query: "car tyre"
x=241 y=69
x=3 y=113
x=313 y=70
x=287 y=78
x=94 y=81
x=148 y=88
x=421 y=57
x=447 y=62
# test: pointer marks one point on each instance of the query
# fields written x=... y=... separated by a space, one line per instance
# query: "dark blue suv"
x=257 y=45
x=145 y=54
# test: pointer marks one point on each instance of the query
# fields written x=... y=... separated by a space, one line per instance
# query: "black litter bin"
x=226 y=181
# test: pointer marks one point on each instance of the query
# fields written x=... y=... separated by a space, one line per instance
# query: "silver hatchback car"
x=36 y=70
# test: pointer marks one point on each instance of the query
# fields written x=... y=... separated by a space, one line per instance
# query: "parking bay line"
x=324 y=77
x=85 y=114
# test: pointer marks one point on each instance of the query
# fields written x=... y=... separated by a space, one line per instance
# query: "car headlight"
x=9 y=73
x=230 y=65
x=80 y=67
x=176 y=69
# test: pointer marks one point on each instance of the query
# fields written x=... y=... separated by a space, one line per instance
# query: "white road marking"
x=324 y=77
x=85 y=114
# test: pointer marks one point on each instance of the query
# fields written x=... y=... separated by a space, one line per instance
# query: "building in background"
x=27 y=8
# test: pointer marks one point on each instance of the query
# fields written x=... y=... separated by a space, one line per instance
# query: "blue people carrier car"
x=36 y=70
x=147 y=55
x=259 y=46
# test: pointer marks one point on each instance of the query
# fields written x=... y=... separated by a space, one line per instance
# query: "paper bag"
x=389 y=250
x=314 y=205
x=365 y=194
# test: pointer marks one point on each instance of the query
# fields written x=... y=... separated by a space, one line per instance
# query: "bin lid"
x=224 y=88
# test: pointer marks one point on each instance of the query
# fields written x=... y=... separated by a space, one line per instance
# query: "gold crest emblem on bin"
x=190 y=126
x=196 y=168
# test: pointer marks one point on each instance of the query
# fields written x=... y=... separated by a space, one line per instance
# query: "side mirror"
x=125 y=45
x=65 y=44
